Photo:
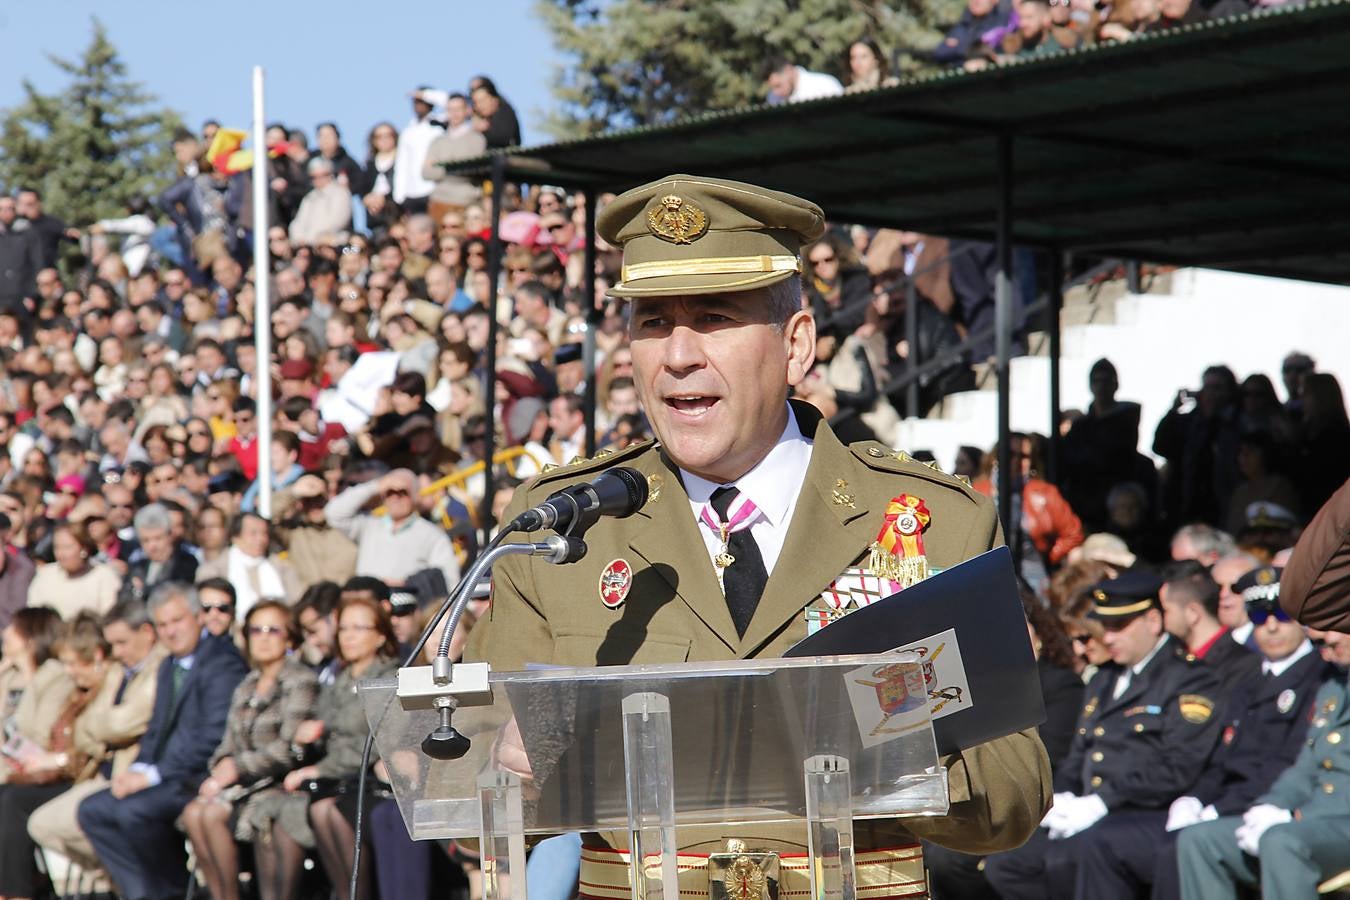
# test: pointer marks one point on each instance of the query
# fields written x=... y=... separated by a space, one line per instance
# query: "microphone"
x=618 y=492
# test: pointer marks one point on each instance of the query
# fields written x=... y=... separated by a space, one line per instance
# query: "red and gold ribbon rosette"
x=898 y=552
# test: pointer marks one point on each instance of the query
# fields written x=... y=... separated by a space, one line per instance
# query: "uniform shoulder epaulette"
x=603 y=459
x=878 y=456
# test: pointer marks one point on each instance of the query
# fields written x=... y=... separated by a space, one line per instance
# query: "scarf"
x=254 y=579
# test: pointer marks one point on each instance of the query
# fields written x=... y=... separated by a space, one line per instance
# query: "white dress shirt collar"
x=783 y=466
x=1143 y=663
x=1280 y=666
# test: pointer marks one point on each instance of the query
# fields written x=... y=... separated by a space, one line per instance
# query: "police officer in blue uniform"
x=1297 y=832
x=1267 y=721
x=1150 y=722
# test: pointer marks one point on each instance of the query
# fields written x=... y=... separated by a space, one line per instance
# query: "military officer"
x=1149 y=724
x=760 y=524
x=1297 y=833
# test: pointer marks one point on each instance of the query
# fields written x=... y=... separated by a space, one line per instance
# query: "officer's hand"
x=1184 y=812
x=1079 y=814
x=1256 y=822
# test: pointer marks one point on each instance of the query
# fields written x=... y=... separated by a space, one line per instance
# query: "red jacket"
x=1047 y=517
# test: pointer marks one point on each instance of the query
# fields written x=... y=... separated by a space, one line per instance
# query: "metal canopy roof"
x=1219 y=144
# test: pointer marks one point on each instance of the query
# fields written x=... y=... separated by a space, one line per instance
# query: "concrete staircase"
x=1160 y=341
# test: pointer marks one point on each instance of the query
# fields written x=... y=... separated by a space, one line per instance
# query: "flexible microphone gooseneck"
x=554 y=549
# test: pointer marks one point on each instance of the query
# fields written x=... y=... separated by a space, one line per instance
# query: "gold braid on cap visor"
x=1141 y=606
x=711 y=265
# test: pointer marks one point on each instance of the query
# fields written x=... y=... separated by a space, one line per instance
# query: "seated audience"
x=249 y=565
x=191 y=704
x=74 y=582
x=159 y=559
x=33 y=683
x=1190 y=604
x=238 y=799
x=110 y=731
x=1292 y=836
x=1268 y=718
x=1150 y=722
x=47 y=768
x=312 y=814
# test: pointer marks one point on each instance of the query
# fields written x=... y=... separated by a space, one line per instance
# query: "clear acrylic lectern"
x=644 y=750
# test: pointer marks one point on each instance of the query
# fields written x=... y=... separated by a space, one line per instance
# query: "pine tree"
x=647 y=62
x=92 y=146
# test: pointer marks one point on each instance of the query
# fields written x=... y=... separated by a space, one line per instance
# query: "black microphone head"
x=445 y=742
x=622 y=491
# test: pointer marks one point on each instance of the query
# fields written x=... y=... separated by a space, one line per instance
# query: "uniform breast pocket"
x=617 y=646
x=1146 y=725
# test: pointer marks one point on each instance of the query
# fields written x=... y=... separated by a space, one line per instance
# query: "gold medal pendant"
x=723 y=559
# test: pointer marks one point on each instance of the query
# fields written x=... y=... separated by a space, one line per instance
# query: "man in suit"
x=131 y=825
x=109 y=730
x=1149 y=724
x=758 y=519
x=1190 y=604
x=159 y=559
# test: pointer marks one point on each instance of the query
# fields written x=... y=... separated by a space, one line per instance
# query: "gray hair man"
x=158 y=558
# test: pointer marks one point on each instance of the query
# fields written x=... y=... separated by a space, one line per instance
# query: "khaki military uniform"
x=675 y=612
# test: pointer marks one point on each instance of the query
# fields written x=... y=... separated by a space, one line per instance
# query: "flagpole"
x=262 y=315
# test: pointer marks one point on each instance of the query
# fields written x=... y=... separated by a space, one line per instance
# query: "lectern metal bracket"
x=468 y=685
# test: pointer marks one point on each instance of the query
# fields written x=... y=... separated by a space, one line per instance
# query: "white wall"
x=1160 y=343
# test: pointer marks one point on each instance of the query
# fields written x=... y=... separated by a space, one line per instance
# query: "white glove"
x=1080 y=814
x=1255 y=822
x=1057 y=807
x=1209 y=813
x=1184 y=812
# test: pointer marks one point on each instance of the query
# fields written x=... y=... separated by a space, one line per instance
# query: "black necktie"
x=743 y=581
x=122 y=688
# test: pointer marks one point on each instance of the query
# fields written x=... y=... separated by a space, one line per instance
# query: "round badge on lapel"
x=1285 y=701
x=616 y=580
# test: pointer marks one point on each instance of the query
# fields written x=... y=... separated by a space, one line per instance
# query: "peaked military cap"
x=687 y=234
x=1260 y=585
x=1128 y=594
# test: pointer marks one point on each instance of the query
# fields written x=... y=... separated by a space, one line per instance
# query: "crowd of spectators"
x=175 y=664
x=993 y=32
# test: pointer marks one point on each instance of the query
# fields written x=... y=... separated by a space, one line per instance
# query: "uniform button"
x=1098 y=756
x=1139 y=727
x=1084 y=731
x=1097 y=781
x=1334 y=738
x=1326 y=764
x=875 y=453
x=1329 y=788
x=1099 y=731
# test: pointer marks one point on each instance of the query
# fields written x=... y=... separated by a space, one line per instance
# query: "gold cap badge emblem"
x=677 y=220
x=1099 y=595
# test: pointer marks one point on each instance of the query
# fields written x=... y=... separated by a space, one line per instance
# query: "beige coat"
x=95 y=590
x=107 y=730
x=42 y=703
x=220 y=568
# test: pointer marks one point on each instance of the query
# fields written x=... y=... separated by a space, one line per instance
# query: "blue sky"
x=353 y=63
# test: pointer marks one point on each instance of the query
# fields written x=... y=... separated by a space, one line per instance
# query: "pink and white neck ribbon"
x=739 y=516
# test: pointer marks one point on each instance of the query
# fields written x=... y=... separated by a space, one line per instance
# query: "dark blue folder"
x=978 y=600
